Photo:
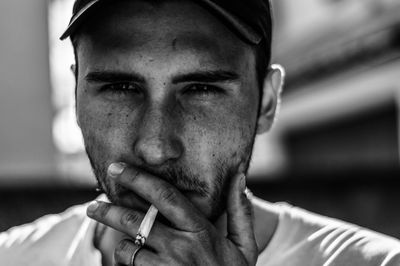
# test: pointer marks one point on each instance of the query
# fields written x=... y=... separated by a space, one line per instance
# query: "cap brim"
x=77 y=19
x=245 y=30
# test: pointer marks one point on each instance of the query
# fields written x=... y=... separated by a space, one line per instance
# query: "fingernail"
x=115 y=169
x=92 y=207
x=242 y=183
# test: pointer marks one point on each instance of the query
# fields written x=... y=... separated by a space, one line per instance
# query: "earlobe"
x=73 y=68
x=76 y=112
x=272 y=88
x=77 y=119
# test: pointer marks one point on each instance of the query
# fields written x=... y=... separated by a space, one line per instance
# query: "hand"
x=192 y=239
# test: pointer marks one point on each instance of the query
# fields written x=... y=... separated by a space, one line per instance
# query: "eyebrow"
x=113 y=76
x=199 y=76
x=207 y=76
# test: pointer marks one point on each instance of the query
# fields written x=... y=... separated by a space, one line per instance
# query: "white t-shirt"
x=301 y=239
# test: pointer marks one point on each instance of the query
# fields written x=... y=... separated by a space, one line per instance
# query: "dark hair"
x=263 y=58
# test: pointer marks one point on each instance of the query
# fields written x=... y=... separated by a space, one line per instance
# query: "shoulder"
x=48 y=225
x=305 y=238
x=50 y=240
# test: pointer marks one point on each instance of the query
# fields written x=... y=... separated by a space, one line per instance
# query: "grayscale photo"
x=200 y=132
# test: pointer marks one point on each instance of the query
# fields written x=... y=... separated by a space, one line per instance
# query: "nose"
x=157 y=141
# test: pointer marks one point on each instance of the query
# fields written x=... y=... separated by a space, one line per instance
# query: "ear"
x=73 y=70
x=272 y=88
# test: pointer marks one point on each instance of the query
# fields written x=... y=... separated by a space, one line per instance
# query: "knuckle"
x=120 y=250
x=129 y=218
x=122 y=245
x=167 y=194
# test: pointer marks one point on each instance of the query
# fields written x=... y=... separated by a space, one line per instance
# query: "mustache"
x=182 y=178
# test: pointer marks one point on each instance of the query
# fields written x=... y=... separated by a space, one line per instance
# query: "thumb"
x=240 y=219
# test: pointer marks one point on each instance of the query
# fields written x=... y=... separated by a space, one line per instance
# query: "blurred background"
x=334 y=149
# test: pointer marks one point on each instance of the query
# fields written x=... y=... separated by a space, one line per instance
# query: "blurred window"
x=66 y=133
x=72 y=162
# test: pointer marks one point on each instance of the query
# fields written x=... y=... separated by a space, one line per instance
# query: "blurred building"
x=339 y=114
x=336 y=142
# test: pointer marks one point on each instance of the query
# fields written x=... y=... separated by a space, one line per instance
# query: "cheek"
x=223 y=135
x=103 y=128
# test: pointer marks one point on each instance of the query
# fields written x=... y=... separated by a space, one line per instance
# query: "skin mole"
x=174 y=44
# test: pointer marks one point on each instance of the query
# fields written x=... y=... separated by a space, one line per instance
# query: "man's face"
x=168 y=89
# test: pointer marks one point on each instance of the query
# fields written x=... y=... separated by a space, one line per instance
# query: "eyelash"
x=124 y=88
x=121 y=88
x=203 y=89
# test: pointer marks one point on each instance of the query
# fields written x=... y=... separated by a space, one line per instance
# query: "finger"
x=127 y=253
x=240 y=219
x=165 y=197
x=128 y=221
x=133 y=201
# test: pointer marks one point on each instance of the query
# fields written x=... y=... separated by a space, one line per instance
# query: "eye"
x=121 y=88
x=203 y=89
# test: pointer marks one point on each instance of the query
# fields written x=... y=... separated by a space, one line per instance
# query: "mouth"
x=128 y=199
x=176 y=177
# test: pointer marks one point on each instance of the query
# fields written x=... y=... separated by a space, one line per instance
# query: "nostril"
x=157 y=151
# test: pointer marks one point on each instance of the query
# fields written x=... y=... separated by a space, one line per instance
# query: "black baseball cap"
x=251 y=19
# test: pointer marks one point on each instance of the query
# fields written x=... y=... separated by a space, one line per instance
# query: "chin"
x=211 y=208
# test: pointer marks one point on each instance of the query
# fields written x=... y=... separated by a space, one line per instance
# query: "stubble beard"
x=183 y=178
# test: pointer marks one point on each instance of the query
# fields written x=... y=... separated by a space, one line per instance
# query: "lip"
x=154 y=172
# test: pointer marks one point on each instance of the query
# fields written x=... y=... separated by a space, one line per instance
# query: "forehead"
x=158 y=27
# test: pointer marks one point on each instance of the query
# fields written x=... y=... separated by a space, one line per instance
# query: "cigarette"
x=148 y=221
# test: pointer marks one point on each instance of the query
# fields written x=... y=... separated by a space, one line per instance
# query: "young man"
x=170 y=95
